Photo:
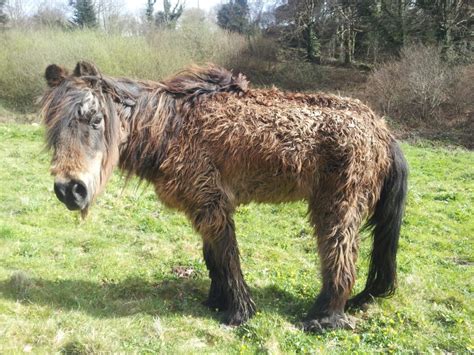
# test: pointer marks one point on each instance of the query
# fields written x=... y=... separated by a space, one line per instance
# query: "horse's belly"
x=269 y=189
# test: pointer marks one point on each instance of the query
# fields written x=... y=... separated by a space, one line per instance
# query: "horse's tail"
x=385 y=224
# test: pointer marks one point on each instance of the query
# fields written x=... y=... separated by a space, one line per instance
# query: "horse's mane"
x=196 y=81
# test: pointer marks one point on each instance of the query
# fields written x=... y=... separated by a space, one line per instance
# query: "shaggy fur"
x=208 y=143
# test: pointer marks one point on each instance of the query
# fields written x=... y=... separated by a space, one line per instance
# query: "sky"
x=137 y=5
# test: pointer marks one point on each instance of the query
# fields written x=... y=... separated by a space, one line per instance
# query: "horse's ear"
x=55 y=74
x=84 y=68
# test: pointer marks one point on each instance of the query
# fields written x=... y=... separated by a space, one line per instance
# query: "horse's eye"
x=96 y=120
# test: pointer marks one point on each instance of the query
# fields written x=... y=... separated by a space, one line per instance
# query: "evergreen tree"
x=234 y=16
x=84 y=13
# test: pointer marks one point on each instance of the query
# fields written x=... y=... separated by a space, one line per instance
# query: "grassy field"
x=112 y=283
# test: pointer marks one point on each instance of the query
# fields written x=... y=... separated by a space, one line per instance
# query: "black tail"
x=385 y=224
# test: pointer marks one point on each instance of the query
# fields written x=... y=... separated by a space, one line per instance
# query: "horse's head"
x=82 y=131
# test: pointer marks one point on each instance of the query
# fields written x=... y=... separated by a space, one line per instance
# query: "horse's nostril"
x=79 y=191
x=60 y=191
x=72 y=193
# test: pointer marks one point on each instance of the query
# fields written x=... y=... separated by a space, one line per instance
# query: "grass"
x=111 y=283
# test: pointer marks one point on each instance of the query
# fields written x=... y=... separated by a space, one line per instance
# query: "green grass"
x=107 y=284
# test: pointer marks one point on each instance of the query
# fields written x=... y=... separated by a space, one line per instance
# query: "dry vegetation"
x=420 y=86
x=24 y=55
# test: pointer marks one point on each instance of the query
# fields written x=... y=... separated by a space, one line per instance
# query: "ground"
x=131 y=277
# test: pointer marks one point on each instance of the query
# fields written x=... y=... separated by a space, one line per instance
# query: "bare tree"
x=51 y=14
x=302 y=20
x=17 y=12
x=109 y=13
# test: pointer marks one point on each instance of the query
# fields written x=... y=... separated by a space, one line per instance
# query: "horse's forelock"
x=59 y=107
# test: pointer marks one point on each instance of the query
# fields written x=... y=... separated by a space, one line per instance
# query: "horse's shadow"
x=135 y=295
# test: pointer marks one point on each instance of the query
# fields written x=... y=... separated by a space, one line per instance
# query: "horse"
x=208 y=142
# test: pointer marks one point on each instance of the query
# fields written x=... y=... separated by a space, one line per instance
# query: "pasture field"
x=131 y=277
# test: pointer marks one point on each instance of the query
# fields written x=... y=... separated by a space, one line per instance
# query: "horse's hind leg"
x=228 y=289
x=336 y=222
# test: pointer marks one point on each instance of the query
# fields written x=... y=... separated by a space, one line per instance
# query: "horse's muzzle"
x=72 y=193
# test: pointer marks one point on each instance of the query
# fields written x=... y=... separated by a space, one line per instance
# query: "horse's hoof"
x=334 y=321
x=239 y=317
x=359 y=302
x=215 y=305
x=357 y=306
x=235 y=319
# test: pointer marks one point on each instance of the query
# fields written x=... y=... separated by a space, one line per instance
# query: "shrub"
x=462 y=93
x=413 y=87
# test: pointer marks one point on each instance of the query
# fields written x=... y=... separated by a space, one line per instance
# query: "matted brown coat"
x=208 y=143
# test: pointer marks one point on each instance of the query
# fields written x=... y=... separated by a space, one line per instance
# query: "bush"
x=414 y=87
x=462 y=97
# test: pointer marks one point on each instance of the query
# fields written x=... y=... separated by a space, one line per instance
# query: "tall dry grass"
x=24 y=55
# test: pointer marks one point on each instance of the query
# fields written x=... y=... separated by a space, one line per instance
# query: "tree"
x=451 y=20
x=170 y=15
x=17 y=13
x=234 y=16
x=109 y=14
x=150 y=10
x=301 y=20
x=51 y=15
x=3 y=15
x=84 y=13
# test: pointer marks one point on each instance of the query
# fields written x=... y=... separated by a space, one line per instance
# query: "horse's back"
x=270 y=146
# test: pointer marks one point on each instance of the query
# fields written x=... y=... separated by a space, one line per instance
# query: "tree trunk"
x=312 y=45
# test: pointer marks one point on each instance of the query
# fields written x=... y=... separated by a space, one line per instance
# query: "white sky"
x=133 y=6
x=137 y=5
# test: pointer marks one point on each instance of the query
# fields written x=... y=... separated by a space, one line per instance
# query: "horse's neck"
x=137 y=91
x=149 y=125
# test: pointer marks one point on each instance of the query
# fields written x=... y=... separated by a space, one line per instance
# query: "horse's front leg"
x=228 y=289
x=217 y=299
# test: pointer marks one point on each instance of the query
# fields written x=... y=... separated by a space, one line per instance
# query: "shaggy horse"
x=208 y=143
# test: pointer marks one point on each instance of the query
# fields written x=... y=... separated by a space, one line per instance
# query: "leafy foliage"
x=234 y=16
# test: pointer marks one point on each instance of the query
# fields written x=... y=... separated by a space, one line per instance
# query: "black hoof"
x=359 y=302
x=241 y=315
x=218 y=305
x=334 y=321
